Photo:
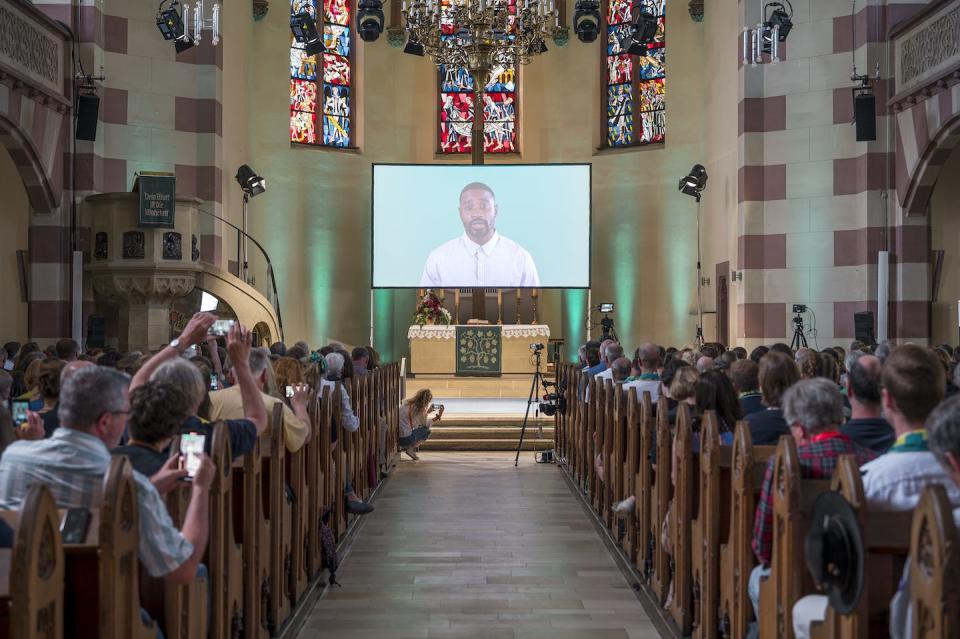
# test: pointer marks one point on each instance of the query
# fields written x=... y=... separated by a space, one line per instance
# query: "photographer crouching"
x=415 y=421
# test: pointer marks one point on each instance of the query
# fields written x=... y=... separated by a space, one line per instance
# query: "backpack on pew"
x=328 y=547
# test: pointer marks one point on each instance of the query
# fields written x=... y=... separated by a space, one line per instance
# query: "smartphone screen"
x=214 y=384
x=18 y=411
x=191 y=448
x=222 y=327
x=289 y=391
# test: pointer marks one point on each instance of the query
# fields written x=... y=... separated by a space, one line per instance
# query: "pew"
x=886 y=540
x=32 y=572
x=660 y=504
x=643 y=488
x=685 y=469
x=788 y=581
x=182 y=607
x=934 y=590
x=713 y=512
x=630 y=412
x=224 y=552
x=748 y=466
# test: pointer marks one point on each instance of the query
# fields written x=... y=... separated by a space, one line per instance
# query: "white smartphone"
x=221 y=327
x=191 y=448
x=289 y=391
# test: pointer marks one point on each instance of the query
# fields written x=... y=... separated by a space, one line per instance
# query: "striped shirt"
x=73 y=465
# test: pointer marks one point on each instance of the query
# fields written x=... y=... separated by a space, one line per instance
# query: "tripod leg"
x=526 y=414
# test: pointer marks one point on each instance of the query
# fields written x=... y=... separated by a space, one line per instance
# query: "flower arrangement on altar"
x=431 y=311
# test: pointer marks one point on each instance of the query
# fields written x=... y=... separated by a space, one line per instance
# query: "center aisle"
x=466 y=545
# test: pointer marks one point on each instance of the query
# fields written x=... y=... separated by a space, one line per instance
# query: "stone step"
x=447 y=432
x=485 y=444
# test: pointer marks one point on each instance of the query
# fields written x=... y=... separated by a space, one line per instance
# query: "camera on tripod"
x=554 y=402
x=536 y=348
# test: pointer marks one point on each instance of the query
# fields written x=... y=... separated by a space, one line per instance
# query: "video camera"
x=554 y=402
x=536 y=348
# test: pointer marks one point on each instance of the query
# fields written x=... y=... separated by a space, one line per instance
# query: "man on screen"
x=480 y=257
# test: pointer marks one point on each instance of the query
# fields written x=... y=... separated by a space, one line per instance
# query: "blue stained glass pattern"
x=336 y=131
x=619 y=100
x=456 y=79
x=620 y=130
x=337 y=39
x=302 y=66
x=336 y=100
x=614 y=35
x=650 y=66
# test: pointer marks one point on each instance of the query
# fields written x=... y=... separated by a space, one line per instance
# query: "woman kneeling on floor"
x=415 y=421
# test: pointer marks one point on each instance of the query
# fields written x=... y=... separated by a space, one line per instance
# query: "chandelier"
x=485 y=37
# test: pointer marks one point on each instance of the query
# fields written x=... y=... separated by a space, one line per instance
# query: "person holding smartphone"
x=415 y=421
x=170 y=367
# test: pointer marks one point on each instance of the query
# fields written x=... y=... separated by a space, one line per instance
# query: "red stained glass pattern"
x=303 y=95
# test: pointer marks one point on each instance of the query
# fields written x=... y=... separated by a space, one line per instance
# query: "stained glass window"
x=635 y=84
x=320 y=85
x=456 y=103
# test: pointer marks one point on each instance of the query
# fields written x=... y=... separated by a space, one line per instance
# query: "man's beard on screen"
x=479 y=228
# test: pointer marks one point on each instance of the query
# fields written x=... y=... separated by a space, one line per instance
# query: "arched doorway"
x=945 y=236
x=15 y=221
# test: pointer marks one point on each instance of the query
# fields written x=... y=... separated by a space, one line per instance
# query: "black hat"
x=833 y=549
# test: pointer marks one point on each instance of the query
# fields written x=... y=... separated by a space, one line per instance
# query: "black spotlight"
x=304 y=29
x=642 y=33
x=693 y=183
x=170 y=23
x=251 y=183
x=370 y=19
x=780 y=19
x=413 y=48
x=537 y=48
x=586 y=20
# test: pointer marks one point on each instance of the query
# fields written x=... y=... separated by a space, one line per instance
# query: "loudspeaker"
x=88 y=107
x=865 y=116
x=863 y=327
x=96 y=331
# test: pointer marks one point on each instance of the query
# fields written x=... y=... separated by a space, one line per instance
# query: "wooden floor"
x=465 y=545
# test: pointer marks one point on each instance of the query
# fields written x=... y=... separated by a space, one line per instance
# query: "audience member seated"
x=51 y=420
x=619 y=370
x=31 y=381
x=777 y=373
x=157 y=410
x=349 y=422
x=228 y=404
x=943 y=432
x=814 y=410
x=594 y=363
x=67 y=350
x=10 y=350
x=758 y=353
x=647 y=360
x=611 y=353
x=704 y=364
x=867 y=426
x=715 y=392
x=913 y=385
x=744 y=375
x=94 y=406
x=415 y=421
x=168 y=366
x=361 y=360
x=48 y=385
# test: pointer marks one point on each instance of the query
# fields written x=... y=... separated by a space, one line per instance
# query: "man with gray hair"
x=610 y=354
x=73 y=462
x=647 y=359
x=228 y=403
x=813 y=409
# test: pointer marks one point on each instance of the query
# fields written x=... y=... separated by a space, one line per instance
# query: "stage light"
x=414 y=48
x=370 y=19
x=251 y=183
x=694 y=182
x=586 y=20
x=643 y=32
x=170 y=23
x=304 y=29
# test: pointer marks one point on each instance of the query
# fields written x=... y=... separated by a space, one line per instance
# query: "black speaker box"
x=863 y=327
x=88 y=108
x=96 y=331
x=865 y=116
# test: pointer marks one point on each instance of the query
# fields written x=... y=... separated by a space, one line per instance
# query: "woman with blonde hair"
x=288 y=372
x=415 y=421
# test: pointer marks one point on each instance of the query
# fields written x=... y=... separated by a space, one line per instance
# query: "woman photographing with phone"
x=415 y=421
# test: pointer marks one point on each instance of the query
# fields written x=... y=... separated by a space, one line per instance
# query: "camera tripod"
x=539 y=380
x=799 y=339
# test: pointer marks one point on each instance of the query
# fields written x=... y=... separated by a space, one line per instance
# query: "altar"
x=435 y=349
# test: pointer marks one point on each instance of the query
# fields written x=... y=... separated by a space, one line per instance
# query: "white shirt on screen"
x=501 y=262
